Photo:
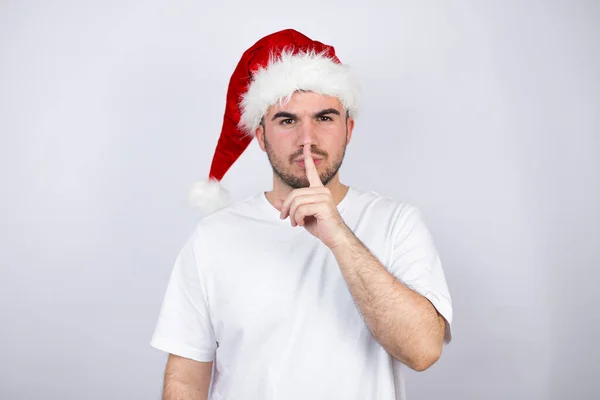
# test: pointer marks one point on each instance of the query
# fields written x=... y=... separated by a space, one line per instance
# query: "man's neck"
x=281 y=191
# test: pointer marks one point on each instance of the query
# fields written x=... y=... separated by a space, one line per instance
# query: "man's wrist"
x=346 y=239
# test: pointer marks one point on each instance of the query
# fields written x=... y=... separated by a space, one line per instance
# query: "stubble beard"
x=282 y=168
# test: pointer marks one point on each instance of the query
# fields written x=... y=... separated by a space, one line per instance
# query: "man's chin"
x=298 y=184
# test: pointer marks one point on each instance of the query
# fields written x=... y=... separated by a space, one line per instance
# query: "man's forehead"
x=306 y=102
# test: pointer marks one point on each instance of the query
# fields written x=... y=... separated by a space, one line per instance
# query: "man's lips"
x=300 y=162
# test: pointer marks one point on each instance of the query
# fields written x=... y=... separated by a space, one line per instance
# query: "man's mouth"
x=301 y=162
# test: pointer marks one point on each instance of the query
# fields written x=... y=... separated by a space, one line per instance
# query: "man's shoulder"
x=387 y=214
x=382 y=203
x=236 y=212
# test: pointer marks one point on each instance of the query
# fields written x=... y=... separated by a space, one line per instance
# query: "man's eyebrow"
x=327 y=111
x=283 y=114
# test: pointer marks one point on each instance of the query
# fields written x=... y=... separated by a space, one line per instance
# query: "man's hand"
x=314 y=207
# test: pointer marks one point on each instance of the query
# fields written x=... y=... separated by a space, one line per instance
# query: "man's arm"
x=186 y=379
x=405 y=323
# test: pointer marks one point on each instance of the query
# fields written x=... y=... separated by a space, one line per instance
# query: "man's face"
x=308 y=118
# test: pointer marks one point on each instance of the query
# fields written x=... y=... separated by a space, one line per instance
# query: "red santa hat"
x=268 y=73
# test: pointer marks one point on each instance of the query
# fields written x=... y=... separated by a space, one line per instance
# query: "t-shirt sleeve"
x=184 y=326
x=416 y=263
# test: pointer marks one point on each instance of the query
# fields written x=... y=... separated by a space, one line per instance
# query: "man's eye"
x=287 y=121
x=325 y=118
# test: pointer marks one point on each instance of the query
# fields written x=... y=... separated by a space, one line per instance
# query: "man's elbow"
x=424 y=363
x=429 y=350
x=425 y=357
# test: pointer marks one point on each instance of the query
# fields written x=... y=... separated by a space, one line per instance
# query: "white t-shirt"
x=268 y=304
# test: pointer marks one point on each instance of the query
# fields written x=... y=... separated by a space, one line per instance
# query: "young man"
x=314 y=289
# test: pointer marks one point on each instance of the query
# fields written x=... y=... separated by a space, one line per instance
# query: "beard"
x=283 y=168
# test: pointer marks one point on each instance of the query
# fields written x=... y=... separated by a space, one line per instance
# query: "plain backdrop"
x=484 y=114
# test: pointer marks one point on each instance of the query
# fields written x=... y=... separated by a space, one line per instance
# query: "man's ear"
x=259 y=133
x=349 y=129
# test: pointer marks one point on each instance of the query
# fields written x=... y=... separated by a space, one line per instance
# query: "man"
x=314 y=289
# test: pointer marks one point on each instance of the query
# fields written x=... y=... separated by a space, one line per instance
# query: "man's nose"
x=308 y=133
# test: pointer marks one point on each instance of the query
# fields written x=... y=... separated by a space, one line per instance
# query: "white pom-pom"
x=208 y=196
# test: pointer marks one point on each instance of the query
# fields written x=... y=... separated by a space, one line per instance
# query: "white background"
x=484 y=114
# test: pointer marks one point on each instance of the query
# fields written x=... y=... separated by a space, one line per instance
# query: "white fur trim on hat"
x=288 y=73
x=208 y=196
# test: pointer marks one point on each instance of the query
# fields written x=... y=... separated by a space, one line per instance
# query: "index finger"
x=311 y=170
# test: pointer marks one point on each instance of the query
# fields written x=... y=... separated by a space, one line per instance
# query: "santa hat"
x=268 y=73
